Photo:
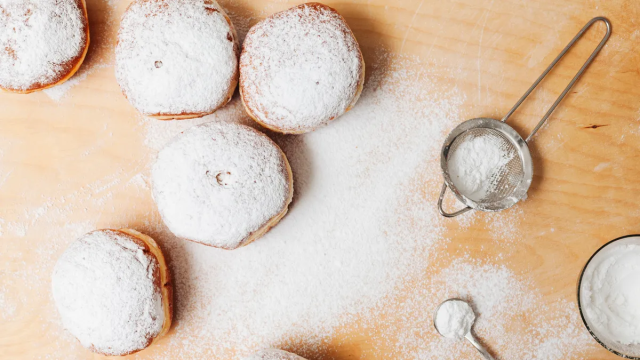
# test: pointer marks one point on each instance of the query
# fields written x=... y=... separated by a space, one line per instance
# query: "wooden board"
x=56 y=155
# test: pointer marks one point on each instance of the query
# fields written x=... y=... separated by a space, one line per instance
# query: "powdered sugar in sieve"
x=483 y=164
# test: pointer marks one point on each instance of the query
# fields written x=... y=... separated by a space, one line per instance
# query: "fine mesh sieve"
x=506 y=177
x=509 y=182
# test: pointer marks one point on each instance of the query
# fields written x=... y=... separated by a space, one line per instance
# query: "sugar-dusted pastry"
x=113 y=292
x=221 y=184
x=42 y=43
x=300 y=68
x=177 y=59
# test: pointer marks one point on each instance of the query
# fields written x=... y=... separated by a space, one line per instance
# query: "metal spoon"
x=469 y=335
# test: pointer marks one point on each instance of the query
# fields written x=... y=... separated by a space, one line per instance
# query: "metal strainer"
x=509 y=182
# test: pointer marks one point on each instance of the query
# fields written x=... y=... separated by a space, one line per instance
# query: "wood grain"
x=585 y=189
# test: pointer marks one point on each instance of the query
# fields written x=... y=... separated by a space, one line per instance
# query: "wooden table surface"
x=55 y=155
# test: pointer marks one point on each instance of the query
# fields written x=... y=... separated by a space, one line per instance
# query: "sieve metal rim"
x=519 y=193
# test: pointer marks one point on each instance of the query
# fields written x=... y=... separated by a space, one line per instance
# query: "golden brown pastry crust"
x=70 y=66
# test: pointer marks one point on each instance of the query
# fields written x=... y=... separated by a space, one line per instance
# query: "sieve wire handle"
x=573 y=81
x=444 y=213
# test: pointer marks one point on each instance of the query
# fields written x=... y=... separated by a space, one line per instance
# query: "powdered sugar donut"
x=177 y=59
x=221 y=184
x=274 y=354
x=113 y=291
x=42 y=42
x=300 y=69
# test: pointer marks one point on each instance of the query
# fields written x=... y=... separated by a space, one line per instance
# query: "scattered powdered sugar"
x=104 y=286
x=15 y=228
x=513 y=320
x=476 y=164
x=273 y=354
x=113 y=4
x=59 y=92
x=7 y=306
x=346 y=241
x=158 y=133
x=504 y=225
x=219 y=183
x=454 y=319
x=610 y=292
x=176 y=57
x=39 y=41
x=25 y=279
x=301 y=68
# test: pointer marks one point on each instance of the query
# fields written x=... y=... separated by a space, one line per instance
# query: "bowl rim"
x=584 y=320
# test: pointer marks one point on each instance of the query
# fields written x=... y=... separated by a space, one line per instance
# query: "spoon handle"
x=472 y=339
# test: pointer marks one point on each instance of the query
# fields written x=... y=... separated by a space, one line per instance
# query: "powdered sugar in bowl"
x=609 y=296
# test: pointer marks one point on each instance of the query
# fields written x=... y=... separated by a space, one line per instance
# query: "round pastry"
x=177 y=59
x=42 y=43
x=274 y=354
x=221 y=184
x=113 y=291
x=300 y=69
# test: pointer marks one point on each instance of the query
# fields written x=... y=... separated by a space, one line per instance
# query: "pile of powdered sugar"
x=477 y=163
x=37 y=40
x=610 y=292
x=104 y=289
x=454 y=319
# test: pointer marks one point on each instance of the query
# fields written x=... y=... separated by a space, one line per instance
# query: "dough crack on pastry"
x=113 y=292
x=177 y=58
x=300 y=69
x=221 y=184
x=42 y=42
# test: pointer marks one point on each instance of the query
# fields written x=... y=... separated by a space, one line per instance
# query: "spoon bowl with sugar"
x=454 y=319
